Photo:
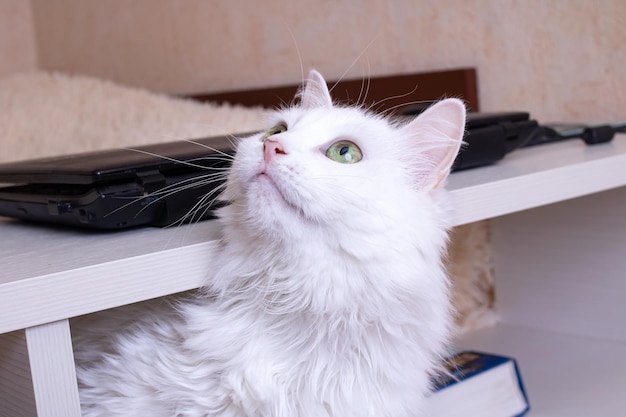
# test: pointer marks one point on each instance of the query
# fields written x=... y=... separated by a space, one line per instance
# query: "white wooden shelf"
x=49 y=275
x=537 y=176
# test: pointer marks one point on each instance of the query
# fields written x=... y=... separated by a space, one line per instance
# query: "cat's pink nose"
x=271 y=149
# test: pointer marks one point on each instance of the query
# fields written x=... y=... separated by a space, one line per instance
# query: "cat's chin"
x=273 y=195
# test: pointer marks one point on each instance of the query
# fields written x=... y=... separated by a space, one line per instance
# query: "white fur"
x=328 y=297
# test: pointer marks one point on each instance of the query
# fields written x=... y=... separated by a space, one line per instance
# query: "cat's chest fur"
x=308 y=364
x=355 y=350
x=254 y=348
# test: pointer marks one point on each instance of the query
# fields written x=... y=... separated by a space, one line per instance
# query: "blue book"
x=479 y=384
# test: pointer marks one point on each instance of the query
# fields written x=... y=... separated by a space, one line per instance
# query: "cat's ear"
x=315 y=92
x=436 y=136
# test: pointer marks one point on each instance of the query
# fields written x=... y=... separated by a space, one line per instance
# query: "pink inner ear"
x=315 y=93
x=438 y=134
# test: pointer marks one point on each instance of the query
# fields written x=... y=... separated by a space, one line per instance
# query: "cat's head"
x=336 y=170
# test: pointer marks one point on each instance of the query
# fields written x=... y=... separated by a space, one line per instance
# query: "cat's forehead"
x=334 y=116
x=328 y=122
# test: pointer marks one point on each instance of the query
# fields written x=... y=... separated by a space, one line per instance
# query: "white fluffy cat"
x=328 y=296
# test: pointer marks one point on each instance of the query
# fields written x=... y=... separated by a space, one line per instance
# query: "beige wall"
x=17 y=38
x=562 y=60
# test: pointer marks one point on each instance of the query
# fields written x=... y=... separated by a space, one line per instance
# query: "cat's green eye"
x=345 y=152
x=279 y=128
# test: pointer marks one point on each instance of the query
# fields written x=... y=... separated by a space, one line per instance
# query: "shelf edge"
x=525 y=192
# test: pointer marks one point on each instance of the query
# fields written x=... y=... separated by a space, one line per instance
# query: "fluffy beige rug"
x=44 y=114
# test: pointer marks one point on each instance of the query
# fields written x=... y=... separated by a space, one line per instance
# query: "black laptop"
x=155 y=185
x=164 y=184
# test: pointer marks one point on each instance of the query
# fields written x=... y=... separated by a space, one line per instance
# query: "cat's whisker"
x=330 y=90
x=295 y=44
x=227 y=156
x=365 y=85
x=178 y=161
x=392 y=109
x=215 y=191
x=363 y=81
x=369 y=81
x=191 y=185
x=205 y=203
x=170 y=190
x=209 y=199
x=185 y=219
x=181 y=185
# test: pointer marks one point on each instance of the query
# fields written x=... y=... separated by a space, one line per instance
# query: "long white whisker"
x=353 y=63
x=167 y=158
x=405 y=104
x=164 y=192
x=295 y=43
x=205 y=146
x=178 y=187
x=193 y=182
x=367 y=85
x=360 y=97
x=204 y=203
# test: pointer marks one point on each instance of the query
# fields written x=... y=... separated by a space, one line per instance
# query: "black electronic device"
x=490 y=136
x=119 y=188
